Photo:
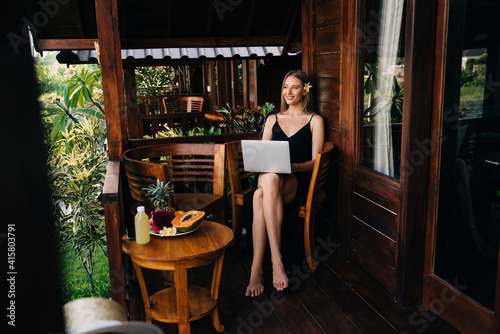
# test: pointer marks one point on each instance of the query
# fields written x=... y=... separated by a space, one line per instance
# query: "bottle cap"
x=140 y=209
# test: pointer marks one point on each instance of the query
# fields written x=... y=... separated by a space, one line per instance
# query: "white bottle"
x=141 y=222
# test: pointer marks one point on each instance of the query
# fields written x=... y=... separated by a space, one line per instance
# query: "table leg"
x=215 y=293
x=181 y=291
x=144 y=291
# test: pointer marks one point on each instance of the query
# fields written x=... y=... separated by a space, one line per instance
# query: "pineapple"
x=160 y=195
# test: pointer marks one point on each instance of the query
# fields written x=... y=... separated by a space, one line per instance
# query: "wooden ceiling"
x=170 y=23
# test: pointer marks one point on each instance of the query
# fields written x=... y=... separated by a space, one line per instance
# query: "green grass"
x=471 y=93
x=75 y=283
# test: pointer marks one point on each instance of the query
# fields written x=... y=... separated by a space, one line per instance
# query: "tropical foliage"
x=242 y=119
x=77 y=170
x=373 y=82
x=77 y=102
x=151 y=80
x=75 y=136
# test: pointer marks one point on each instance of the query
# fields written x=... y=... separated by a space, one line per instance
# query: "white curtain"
x=390 y=30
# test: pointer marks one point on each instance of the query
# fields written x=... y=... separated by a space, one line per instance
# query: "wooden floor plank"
x=327 y=314
x=354 y=307
x=336 y=298
x=416 y=319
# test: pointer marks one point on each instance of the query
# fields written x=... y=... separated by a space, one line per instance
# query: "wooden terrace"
x=409 y=240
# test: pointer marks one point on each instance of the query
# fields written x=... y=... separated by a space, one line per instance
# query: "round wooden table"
x=180 y=303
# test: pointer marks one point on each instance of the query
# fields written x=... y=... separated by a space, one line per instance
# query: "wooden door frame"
x=410 y=198
x=467 y=315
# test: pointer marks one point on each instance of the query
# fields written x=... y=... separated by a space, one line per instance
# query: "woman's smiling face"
x=293 y=91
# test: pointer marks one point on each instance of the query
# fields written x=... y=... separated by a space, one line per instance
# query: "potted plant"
x=159 y=194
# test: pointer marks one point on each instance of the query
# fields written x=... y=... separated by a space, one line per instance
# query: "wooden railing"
x=113 y=213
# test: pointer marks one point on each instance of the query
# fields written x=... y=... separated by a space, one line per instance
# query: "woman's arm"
x=318 y=141
x=268 y=128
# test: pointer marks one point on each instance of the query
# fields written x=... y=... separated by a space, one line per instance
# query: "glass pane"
x=468 y=227
x=383 y=79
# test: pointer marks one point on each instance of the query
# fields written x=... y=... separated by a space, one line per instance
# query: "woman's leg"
x=273 y=192
x=259 y=236
x=277 y=191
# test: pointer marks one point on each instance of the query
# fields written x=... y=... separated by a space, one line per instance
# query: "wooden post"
x=252 y=83
x=113 y=89
x=244 y=71
x=209 y=86
x=112 y=76
x=307 y=38
x=223 y=92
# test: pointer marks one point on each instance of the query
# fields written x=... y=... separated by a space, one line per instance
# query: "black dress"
x=300 y=151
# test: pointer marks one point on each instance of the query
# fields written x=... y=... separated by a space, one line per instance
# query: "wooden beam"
x=143 y=43
x=113 y=89
x=112 y=75
x=252 y=83
x=114 y=231
x=307 y=37
x=419 y=67
x=65 y=44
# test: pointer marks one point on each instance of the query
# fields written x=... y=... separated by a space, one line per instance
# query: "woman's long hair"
x=307 y=105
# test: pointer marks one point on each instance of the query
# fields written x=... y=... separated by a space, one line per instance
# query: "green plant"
x=80 y=289
x=68 y=111
x=371 y=87
x=242 y=119
x=153 y=80
x=159 y=194
x=82 y=87
x=197 y=131
x=77 y=170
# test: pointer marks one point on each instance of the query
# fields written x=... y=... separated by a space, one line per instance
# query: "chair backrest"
x=238 y=178
x=187 y=165
x=142 y=174
x=317 y=194
x=178 y=104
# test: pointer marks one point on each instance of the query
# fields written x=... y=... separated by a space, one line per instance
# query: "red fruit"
x=161 y=219
x=153 y=227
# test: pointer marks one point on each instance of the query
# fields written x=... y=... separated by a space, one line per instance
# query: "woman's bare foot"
x=256 y=286
x=280 y=279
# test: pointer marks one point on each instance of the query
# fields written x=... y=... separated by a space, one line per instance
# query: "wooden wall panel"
x=372 y=264
x=331 y=113
x=375 y=215
x=327 y=39
x=327 y=65
x=321 y=59
x=328 y=89
x=379 y=244
x=328 y=13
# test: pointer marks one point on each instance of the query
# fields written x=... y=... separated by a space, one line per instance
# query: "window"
x=383 y=80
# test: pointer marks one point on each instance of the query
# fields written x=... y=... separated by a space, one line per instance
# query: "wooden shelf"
x=164 y=305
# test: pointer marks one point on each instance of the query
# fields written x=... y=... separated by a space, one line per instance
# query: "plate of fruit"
x=162 y=223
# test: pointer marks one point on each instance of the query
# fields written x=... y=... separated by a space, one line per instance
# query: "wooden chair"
x=179 y=104
x=196 y=172
x=139 y=176
x=239 y=184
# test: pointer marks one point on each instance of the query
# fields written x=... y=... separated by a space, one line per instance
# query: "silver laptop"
x=266 y=156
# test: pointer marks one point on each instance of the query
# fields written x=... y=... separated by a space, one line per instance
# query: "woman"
x=304 y=130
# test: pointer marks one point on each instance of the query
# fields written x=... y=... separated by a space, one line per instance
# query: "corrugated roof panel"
x=191 y=53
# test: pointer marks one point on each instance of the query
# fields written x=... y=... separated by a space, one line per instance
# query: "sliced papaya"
x=188 y=221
